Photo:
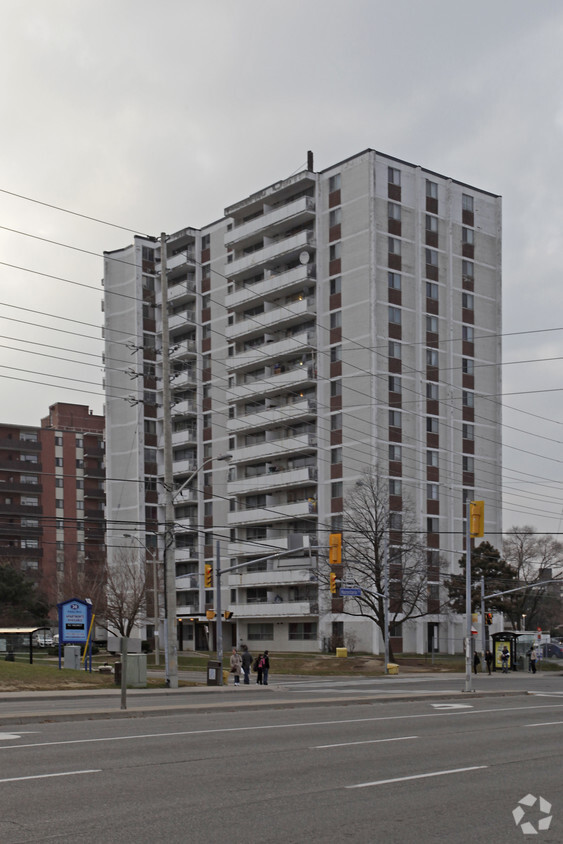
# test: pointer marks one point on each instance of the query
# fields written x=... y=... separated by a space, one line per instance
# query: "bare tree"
x=371 y=530
x=535 y=557
x=125 y=594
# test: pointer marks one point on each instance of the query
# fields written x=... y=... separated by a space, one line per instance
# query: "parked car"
x=551 y=649
x=43 y=639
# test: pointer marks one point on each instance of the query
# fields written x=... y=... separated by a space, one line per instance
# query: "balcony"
x=181 y=259
x=186 y=610
x=256 y=547
x=280 y=318
x=183 y=466
x=271 y=513
x=273 y=480
x=285 y=609
x=274 y=579
x=273 y=416
x=19 y=445
x=184 y=379
x=187 y=496
x=24 y=466
x=284 y=248
x=275 y=348
x=298 y=211
x=300 y=376
x=282 y=282
x=184 y=349
x=281 y=446
x=187 y=582
x=181 y=320
x=181 y=292
x=186 y=555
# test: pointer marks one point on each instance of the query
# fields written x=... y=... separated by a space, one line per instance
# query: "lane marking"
x=47 y=776
x=452 y=705
x=372 y=741
x=545 y=724
x=254 y=728
x=8 y=736
x=418 y=776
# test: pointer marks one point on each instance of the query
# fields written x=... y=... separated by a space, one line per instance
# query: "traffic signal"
x=208 y=576
x=210 y=614
x=227 y=614
x=333 y=583
x=335 y=549
x=476 y=518
x=488 y=618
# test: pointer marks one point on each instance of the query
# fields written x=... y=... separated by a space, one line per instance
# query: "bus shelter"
x=14 y=639
x=509 y=639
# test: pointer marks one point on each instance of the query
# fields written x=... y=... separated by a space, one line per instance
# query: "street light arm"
x=522 y=588
x=207 y=460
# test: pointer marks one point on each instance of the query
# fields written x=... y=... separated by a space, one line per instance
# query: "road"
x=384 y=770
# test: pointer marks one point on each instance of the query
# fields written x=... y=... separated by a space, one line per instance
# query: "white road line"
x=253 y=728
x=418 y=776
x=372 y=741
x=545 y=724
x=46 y=776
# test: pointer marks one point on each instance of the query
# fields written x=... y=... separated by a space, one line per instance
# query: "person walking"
x=246 y=663
x=258 y=662
x=533 y=659
x=488 y=660
x=476 y=662
x=236 y=665
x=265 y=668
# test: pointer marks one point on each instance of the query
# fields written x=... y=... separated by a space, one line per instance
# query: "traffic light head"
x=476 y=518
x=489 y=618
x=227 y=614
x=335 y=549
x=333 y=583
x=208 y=576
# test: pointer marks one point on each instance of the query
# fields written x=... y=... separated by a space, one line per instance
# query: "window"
x=467 y=202
x=467 y=301
x=334 y=182
x=432 y=391
x=432 y=424
x=60 y=523
x=80 y=505
x=468 y=399
x=467 y=333
x=335 y=285
x=80 y=464
x=259 y=632
x=395 y=487
x=468 y=432
x=432 y=324
x=255 y=502
x=432 y=525
x=432 y=357
x=431 y=290
x=30 y=523
x=336 y=388
x=302 y=630
x=394 y=246
x=58 y=461
x=29 y=479
x=79 y=483
x=336 y=422
x=58 y=440
x=394 y=350
x=394 y=384
x=30 y=500
x=59 y=503
x=467 y=269
x=393 y=176
x=336 y=490
x=394 y=281
x=432 y=492
x=335 y=354
x=395 y=453
x=336 y=456
x=395 y=420
x=468 y=366
x=468 y=236
x=30 y=543
x=336 y=319
x=335 y=217
x=395 y=316
x=432 y=458
x=395 y=521
x=394 y=212
x=432 y=257
x=468 y=463
x=335 y=251
x=431 y=189
x=431 y=224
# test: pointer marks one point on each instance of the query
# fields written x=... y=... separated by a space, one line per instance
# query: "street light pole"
x=468 y=597
x=218 y=610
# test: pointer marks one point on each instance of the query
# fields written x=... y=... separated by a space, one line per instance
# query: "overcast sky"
x=157 y=115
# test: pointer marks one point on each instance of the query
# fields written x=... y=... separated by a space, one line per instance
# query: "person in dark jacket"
x=476 y=662
x=246 y=663
x=488 y=660
x=265 y=668
x=258 y=662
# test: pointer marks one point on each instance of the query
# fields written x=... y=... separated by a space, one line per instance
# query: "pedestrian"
x=236 y=663
x=258 y=663
x=504 y=657
x=488 y=660
x=533 y=659
x=529 y=655
x=476 y=662
x=265 y=668
x=246 y=663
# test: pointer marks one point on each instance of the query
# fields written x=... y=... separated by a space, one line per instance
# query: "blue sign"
x=350 y=591
x=74 y=621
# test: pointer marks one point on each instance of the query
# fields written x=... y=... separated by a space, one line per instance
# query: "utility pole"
x=218 y=610
x=386 y=600
x=468 y=597
x=483 y=625
x=171 y=643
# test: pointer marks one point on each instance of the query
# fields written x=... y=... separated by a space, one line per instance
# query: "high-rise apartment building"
x=332 y=322
x=52 y=500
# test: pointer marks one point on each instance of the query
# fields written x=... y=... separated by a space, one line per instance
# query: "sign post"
x=75 y=619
